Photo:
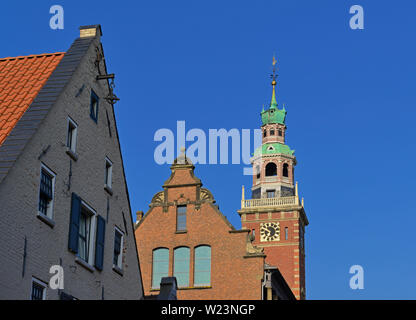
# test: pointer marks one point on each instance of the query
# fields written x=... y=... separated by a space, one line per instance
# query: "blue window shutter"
x=99 y=243
x=74 y=223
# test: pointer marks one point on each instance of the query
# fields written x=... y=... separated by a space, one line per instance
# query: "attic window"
x=94 y=106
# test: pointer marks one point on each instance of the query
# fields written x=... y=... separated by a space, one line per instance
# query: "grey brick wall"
x=19 y=193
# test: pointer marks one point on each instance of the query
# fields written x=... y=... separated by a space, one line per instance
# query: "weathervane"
x=274 y=74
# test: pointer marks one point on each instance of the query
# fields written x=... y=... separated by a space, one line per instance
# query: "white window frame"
x=49 y=210
x=40 y=283
x=91 y=242
x=73 y=124
x=120 y=257
x=108 y=173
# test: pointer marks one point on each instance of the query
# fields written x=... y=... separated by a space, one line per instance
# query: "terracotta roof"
x=21 y=79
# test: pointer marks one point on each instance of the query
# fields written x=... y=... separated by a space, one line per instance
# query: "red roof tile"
x=21 y=79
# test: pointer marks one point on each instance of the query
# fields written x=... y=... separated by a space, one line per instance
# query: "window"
x=71 y=139
x=258 y=172
x=285 y=170
x=38 y=290
x=265 y=133
x=108 y=172
x=181 y=218
x=47 y=186
x=271 y=169
x=181 y=261
x=280 y=132
x=118 y=248
x=202 y=268
x=286 y=233
x=85 y=236
x=94 y=106
x=271 y=193
x=160 y=266
x=272 y=132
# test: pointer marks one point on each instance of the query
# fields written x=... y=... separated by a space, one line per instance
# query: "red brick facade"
x=237 y=268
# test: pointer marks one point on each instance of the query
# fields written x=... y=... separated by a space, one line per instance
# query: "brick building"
x=63 y=194
x=275 y=212
x=185 y=235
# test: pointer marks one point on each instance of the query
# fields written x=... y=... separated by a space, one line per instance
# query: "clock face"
x=270 y=231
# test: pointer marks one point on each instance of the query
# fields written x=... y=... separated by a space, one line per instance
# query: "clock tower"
x=274 y=214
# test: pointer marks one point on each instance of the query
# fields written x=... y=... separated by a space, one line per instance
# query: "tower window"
x=285 y=170
x=181 y=218
x=265 y=133
x=271 y=169
x=280 y=132
x=286 y=233
x=271 y=193
x=272 y=132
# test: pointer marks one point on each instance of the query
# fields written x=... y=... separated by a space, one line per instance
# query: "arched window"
x=181 y=261
x=271 y=169
x=202 y=275
x=160 y=266
x=265 y=133
x=285 y=170
x=280 y=132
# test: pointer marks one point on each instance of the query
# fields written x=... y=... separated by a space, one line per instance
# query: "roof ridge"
x=34 y=56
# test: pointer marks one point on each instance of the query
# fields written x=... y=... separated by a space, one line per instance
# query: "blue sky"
x=350 y=97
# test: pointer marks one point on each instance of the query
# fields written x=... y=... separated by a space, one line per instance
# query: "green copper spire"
x=273 y=114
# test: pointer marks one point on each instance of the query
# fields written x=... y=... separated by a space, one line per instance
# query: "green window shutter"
x=202 y=276
x=99 y=243
x=160 y=266
x=74 y=223
x=181 y=259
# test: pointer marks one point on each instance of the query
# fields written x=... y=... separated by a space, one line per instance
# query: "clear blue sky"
x=350 y=97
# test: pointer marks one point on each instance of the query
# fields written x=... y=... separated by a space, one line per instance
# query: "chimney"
x=90 y=31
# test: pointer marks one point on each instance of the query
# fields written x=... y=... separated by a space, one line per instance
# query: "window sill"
x=186 y=288
x=86 y=265
x=181 y=231
x=72 y=154
x=108 y=189
x=118 y=270
x=45 y=219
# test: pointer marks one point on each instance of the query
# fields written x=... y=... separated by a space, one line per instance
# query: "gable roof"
x=21 y=79
x=23 y=107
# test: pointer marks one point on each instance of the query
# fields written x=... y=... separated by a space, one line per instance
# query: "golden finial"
x=274 y=76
